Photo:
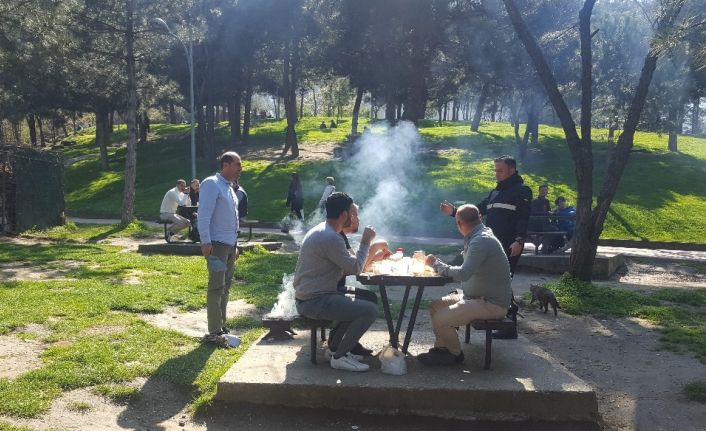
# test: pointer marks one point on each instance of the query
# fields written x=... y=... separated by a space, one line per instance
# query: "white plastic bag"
x=392 y=361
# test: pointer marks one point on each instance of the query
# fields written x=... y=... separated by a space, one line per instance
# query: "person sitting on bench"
x=567 y=217
x=178 y=196
x=485 y=278
x=323 y=259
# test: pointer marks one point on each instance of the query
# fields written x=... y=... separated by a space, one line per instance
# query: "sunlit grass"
x=93 y=330
x=660 y=198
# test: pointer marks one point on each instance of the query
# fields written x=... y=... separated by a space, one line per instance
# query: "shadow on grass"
x=151 y=410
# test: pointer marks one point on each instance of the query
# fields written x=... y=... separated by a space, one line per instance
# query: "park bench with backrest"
x=538 y=237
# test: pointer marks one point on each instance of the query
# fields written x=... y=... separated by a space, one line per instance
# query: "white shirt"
x=172 y=199
x=328 y=190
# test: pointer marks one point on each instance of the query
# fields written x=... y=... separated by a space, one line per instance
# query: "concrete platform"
x=189 y=248
x=524 y=382
x=604 y=266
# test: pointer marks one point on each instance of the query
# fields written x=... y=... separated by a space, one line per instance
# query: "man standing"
x=218 y=226
x=485 y=277
x=323 y=259
x=174 y=198
x=507 y=211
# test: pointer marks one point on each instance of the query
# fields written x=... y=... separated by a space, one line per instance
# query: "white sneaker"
x=328 y=355
x=348 y=363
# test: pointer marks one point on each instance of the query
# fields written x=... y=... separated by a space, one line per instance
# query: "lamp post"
x=189 y=51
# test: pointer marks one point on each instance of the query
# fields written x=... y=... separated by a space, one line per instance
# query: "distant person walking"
x=295 y=196
x=328 y=190
x=218 y=225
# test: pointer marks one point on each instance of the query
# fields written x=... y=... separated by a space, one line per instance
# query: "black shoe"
x=361 y=351
x=440 y=356
x=505 y=334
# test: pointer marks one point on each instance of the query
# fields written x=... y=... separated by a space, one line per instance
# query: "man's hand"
x=430 y=260
x=368 y=235
x=447 y=208
x=516 y=249
x=206 y=250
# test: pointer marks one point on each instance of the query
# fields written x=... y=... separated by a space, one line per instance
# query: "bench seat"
x=313 y=325
x=489 y=326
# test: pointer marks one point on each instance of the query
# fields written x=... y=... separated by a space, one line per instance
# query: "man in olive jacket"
x=485 y=278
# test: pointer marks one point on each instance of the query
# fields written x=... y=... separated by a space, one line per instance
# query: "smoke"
x=285 y=307
x=382 y=177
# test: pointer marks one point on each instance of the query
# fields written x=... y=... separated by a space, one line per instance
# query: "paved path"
x=698 y=256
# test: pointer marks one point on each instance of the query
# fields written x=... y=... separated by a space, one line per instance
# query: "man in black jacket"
x=506 y=211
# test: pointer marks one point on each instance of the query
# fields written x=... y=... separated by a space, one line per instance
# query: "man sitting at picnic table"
x=178 y=196
x=323 y=259
x=485 y=278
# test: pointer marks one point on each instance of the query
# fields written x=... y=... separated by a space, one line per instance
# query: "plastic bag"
x=392 y=361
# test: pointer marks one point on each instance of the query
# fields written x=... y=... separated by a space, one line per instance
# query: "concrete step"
x=524 y=382
x=189 y=248
x=604 y=265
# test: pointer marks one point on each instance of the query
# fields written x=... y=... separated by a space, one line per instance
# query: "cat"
x=545 y=297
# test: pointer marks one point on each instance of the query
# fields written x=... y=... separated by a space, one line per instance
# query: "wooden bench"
x=249 y=224
x=489 y=326
x=313 y=325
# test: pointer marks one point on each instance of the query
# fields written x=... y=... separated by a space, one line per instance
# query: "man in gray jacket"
x=485 y=278
x=323 y=260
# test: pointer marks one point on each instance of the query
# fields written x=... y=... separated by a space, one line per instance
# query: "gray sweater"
x=485 y=271
x=323 y=259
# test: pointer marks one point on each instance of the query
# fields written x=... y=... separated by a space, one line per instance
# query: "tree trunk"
x=172 y=114
x=475 y=123
x=493 y=110
x=672 y=143
x=143 y=125
x=289 y=83
x=247 y=106
x=316 y=106
x=32 y=126
x=102 y=137
x=301 y=103
x=40 y=126
x=356 y=110
x=695 y=114
x=390 y=111
x=611 y=132
x=128 y=210
x=211 y=151
x=111 y=121
x=234 y=118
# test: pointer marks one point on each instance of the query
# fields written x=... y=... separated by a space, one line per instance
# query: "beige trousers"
x=178 y=222
x=454 y=311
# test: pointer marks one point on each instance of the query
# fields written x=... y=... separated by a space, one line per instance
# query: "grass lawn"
x=92 y=329
x=661 y=196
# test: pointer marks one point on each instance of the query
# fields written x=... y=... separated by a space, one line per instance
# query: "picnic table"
x=383 y=281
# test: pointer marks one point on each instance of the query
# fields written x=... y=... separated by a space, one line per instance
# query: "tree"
x=590 y=219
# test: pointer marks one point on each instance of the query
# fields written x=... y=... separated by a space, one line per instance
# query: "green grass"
x=79 y=406
x=6 y=426
x=696 y=391
x=660 y=197
x=678 y=313
x=95 y=336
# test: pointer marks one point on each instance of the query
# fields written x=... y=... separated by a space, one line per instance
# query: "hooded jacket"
x=507 y=209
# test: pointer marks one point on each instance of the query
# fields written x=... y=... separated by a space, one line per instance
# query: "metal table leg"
x=412 y=319
x=388 y=316
x=403 y=307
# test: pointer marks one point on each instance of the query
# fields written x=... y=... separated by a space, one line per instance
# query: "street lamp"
x=189 y=51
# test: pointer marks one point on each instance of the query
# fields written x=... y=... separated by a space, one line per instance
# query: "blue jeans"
x=355 y=317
